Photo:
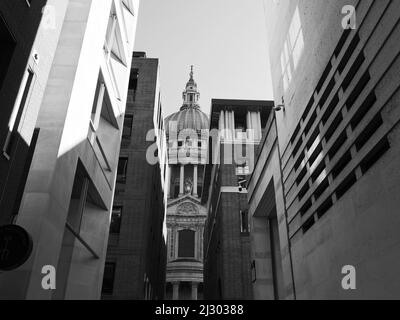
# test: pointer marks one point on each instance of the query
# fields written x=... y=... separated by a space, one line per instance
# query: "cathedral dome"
x=190 y=116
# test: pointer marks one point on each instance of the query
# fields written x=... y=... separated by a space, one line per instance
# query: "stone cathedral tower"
x=187 y=134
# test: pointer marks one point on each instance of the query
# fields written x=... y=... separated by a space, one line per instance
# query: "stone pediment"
x=174 y=202
x=186 y=206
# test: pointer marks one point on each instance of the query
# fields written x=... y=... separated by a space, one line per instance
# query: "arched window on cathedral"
x=186 y=244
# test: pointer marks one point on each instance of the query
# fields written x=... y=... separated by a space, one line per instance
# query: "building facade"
x=136 y=254
x=24 y=60
x=68 y=113
x=236 y=130
x=335 y=68
x=187 y=135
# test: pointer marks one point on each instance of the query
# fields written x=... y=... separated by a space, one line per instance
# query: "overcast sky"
x=225 y=40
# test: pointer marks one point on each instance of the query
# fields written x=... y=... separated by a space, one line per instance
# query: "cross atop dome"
x=191 y=95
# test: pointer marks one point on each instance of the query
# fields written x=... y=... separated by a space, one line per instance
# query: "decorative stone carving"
x=187 y=208
x=188 y=186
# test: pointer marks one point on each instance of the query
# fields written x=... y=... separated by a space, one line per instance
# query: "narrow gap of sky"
x=225 y=40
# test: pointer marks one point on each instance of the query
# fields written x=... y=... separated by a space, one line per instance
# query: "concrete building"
x=187 y=134
x=65 y=91
x=22 y=52
x=136 y=254
x=324 y=196
x=236 y=130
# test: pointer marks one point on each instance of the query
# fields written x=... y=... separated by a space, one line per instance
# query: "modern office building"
x=236 y=130
x=23 y=59
x=136 y=255
x=330 y=212
x=64 y=95
x=187 y=135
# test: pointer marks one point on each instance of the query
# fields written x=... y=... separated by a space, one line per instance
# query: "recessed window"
x=323 y=186
x=186 y=243
x=357 y=90
x=127 y=130
x=16 y=114
x=341 y=42
x=321 y=167
x=327 y=92
x=353 y=71
x=307 y=205
x=310 y=123
x=302 y=174
x=349 y=52
x=342 y=163
x=363 y=110
x=315 y=154
x=303 y=191
x=308 y=224
x=332 y=129
x=308 y=108
x=369 y=131
x=337 y=145
x=244 y=221
x=329 y=110
x=324 y=76
x=350 y=180
x=133 y=82
x=122 y=169
x=374 y=155
x=115 y=225
x=297 y=147
x=108 y=278
x=324 y=207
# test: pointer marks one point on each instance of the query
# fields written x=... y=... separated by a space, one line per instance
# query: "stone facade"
x=187 y=147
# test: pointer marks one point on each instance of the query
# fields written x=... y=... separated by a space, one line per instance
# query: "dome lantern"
x=190 y=116
x=191 y=95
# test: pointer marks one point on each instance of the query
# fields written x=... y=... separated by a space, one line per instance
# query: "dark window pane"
x=186 y=244
x=108 y=278
x=127 y=131
x=122 y=168
x=244 y=221
x=115 y=224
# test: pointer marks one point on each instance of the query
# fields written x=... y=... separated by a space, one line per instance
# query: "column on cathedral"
x=175 y=291
x=253 y=120
x=233 y=133
x=168 y=182
x=195 y=180
x=182 y=178
x=194 y=290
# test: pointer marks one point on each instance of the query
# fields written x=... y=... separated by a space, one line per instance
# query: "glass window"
x=108 y=278
x=244 y=221
x=16 y=114
x=186 y=243
x=115 y=225
x=127 y=130
x=122 y=169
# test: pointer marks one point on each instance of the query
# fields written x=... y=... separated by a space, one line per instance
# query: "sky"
x=225 y=40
